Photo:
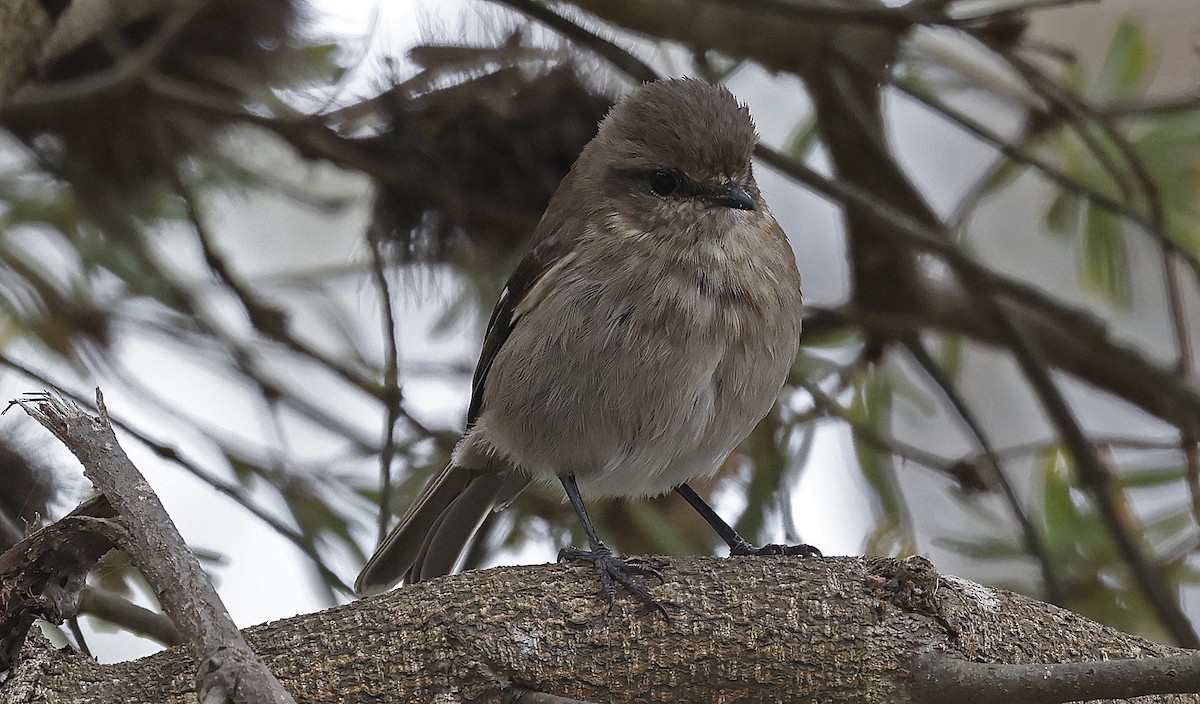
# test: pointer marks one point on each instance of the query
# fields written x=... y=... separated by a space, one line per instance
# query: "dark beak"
x=734 y=196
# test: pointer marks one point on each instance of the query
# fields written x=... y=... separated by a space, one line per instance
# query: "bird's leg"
x=612 y=569
x=737 y=544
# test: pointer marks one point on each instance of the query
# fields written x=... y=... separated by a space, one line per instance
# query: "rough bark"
x=744 y=629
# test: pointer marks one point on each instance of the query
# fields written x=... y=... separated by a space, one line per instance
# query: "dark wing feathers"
x=540 y=260
x=432 y=533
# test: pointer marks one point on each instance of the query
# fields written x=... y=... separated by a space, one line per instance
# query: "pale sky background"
x=262 y=579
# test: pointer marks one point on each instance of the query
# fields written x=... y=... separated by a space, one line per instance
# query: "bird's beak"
x=734 y=196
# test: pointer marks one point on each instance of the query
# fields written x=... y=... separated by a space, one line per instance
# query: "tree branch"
x=826 y=629
x=122 y=612
x=228 y=669
x=939 y=679
x=42 y=575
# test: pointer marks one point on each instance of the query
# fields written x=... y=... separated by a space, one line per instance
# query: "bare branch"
x=122 y=612
x=41 y=576
x=391 y=383
x=939 y=678
x=225 y=662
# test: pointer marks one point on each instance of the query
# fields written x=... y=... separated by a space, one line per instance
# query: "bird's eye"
x=664 y=183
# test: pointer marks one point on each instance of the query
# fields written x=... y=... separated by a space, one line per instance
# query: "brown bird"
x=648 y=330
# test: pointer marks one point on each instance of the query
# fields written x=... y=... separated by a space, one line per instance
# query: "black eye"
x=663 y=183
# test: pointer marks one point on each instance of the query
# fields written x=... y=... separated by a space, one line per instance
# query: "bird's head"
x=675 y=153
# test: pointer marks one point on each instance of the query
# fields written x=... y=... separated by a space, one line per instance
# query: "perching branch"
x=827 y=629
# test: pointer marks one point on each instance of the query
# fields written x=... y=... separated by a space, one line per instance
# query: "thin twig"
x=122 y=612
x=391 y=382
x=1077 y=121
x=619 y=58
x=1108 y=441
x=939 y=678
x=869 y=435
x=1034 y=542
x=975 y=195
x=77 y=632
x=174 y=332
x=1149 y=107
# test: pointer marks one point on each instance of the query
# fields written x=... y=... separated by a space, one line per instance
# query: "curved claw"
x=612 y=571
x=775 y=549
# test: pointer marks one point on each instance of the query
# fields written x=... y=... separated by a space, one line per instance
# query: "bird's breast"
x=637 y=379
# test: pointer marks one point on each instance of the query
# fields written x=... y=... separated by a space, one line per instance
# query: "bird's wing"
x=528 y=285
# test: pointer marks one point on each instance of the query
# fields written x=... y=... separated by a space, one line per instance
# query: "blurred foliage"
x=1098 y=583
x=491 y=146
x=871 y=407
x=1165 y=146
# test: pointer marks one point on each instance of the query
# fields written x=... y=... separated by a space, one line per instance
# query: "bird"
x=649 y=328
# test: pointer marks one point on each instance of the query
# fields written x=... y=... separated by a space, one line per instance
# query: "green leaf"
x=872 y=408
x=1106 y=260
x=828 y=332
x=1059 y=514
x=245 y=471
x=1005 y=173
x=1126 y=65
x=951 y=355
x=802 y=138
x=1169 y=144
x=1063 y=215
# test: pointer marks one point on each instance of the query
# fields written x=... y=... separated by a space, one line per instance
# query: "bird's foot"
x=748 y=550
x=613 y=571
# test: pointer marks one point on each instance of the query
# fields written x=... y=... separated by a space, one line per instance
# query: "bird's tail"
x=431 y=535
